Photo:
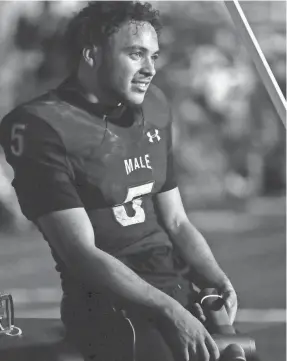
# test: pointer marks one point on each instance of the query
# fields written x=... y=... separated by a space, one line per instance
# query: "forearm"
x=100 y=270
x=197 y=254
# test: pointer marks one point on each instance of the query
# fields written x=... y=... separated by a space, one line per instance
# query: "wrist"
x=217 y=280
x=224 y=283
x=168 y=310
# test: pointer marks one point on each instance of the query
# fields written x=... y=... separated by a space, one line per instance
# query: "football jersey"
x=67 y=152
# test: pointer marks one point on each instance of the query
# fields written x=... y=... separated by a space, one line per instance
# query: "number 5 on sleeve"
x=17 y=140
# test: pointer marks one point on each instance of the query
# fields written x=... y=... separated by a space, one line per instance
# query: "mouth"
x=141 y=85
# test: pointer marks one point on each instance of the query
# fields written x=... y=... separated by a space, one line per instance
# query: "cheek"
x=122 y=79
x=126 y=71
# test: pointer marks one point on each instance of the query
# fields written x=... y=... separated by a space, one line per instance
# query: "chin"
x=135 y=99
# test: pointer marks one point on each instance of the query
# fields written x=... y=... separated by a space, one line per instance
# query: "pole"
x=249 y=40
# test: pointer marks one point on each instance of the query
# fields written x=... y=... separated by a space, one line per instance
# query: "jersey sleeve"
x=43 y=176
x=170 y=181
x=158 y=110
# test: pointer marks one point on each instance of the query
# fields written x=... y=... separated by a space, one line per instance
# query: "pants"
x=116 y=338
x=102 y=333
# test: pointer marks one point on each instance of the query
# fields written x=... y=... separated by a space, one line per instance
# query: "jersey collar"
x=70 y=91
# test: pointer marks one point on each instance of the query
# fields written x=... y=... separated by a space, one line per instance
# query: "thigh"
x=101 y=333
x=114 y=337
x=150 y=345
x=103 y=336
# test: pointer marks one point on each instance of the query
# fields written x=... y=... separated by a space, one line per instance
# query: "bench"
x=42 y=339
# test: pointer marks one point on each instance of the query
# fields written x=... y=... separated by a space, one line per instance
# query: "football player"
x=94 y=171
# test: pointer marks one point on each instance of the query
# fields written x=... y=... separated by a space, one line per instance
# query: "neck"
x=90 y=88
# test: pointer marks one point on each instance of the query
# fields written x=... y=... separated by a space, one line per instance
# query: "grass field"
x=249 y=245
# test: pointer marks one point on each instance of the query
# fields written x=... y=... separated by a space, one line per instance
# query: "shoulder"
x=41 y=114
x=26 y=126
x=156 y=107
x=31 y=112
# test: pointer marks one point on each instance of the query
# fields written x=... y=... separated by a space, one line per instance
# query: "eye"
x=155 y=57
x=137 y=55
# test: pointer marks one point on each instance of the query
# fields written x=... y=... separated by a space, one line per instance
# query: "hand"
x=230 y=299
x=187 y=338
x=228 y=294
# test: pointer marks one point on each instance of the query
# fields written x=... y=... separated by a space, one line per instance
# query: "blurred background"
x=229 y=146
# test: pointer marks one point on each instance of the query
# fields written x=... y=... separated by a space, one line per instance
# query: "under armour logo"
x=152 y=136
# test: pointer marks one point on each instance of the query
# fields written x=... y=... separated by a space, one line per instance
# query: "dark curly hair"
x=100 y=19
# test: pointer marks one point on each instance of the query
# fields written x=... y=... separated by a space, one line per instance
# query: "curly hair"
x=100 y=19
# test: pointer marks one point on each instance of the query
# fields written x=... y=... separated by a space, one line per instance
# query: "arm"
x=193 y=248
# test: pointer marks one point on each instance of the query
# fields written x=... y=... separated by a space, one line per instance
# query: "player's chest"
x=125 y=158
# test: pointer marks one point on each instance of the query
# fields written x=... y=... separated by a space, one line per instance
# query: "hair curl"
x=100 y=19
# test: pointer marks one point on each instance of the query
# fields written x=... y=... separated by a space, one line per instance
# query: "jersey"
x=67 y=152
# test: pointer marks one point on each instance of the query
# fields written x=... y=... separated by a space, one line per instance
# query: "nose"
x=148 y=67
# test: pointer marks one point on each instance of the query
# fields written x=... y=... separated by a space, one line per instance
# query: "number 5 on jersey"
x=133 y=195
x=17 y=139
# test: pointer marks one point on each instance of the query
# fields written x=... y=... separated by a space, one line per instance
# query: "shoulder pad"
x=24 y=134
x=68 y=121
x=27 y=114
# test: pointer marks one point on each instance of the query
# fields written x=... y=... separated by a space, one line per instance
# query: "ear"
x=90 y=55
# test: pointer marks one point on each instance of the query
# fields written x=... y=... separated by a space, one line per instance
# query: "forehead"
x=135 y=33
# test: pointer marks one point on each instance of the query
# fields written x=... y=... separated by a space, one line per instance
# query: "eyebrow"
x=138 y=47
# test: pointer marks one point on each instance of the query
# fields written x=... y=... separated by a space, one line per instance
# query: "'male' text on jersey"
x=137 y=163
